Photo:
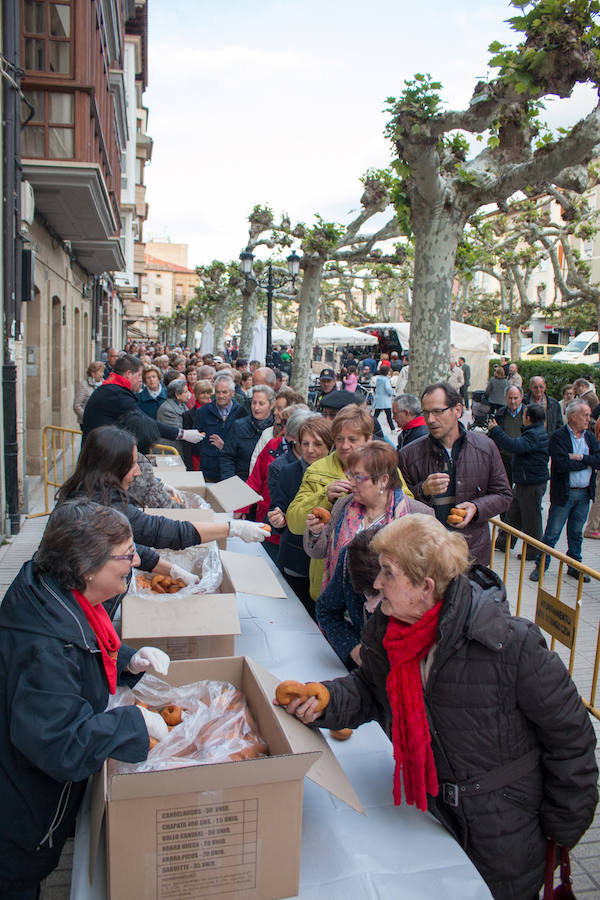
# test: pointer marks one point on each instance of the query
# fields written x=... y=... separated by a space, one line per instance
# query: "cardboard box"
x=217 y=830
x=167 y=462
x=196 y=626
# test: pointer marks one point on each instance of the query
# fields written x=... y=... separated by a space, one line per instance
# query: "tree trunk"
x=249 y=304
x=221 y=314
x=436 y=242
x=309 y=304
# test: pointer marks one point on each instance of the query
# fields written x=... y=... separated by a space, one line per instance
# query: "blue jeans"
x=574 y=513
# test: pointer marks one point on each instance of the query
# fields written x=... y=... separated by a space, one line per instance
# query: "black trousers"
x=388 y=414
x=525 y=513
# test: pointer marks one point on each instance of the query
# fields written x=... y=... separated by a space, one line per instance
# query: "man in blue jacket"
x=575 y=454
x=529 y=470
x=215 y=420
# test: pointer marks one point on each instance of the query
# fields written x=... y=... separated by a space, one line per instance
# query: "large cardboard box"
x=196 y=626
x=219 y=830
x=166 y=462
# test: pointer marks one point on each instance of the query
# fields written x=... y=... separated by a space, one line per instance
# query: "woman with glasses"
x=106 y=468
x=376 y=498
x=60 y=660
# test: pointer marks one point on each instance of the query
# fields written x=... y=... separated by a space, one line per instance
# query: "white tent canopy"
x=208 y=339
x=258 y=350
x=338 y=334
x=281 y=336
x=465 y=340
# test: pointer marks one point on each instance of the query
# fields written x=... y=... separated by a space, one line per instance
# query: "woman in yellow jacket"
x=325 y=481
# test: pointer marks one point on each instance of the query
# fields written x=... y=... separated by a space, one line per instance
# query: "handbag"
x=563 y=891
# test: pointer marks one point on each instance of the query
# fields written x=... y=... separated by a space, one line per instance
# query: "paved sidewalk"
x=586 y=857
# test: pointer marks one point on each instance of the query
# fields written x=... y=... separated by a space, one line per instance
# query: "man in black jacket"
x=215 y=420
x=575 y=454
x=117 y=396
x=529 y=469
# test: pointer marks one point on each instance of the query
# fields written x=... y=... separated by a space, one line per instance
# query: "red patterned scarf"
x=406 y=646
x=108 y=639
x=118 y=379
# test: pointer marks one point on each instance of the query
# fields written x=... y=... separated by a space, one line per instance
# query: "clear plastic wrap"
x=216 y=725
x=202 y=559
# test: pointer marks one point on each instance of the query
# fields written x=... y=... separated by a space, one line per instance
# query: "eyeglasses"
x=436 y=413
x=126 y=556
x=359 y=479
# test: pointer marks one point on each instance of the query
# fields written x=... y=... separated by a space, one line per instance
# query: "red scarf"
x=406 y=646
x=118 y=379
x=108 y=639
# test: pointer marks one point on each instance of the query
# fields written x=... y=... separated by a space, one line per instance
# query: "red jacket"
x=257 y=480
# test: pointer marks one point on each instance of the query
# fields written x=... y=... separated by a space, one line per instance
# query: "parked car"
x=582 y=349
x=541 y=351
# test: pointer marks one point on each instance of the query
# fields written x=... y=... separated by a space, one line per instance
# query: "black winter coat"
x=285 y=476
x=495 y=695
x=560 y=447
x=54 y=731
x=530 y=453
x=111 y=403
x=209 y=420
x=155 y=531
x=239 y=445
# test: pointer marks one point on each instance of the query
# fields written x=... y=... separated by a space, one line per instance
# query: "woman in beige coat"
x=86 y=387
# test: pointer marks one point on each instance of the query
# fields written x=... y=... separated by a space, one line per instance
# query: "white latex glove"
x=188 y=577
x=156 y=725
x=250 y=532
x=148 y=657
x=192 y=435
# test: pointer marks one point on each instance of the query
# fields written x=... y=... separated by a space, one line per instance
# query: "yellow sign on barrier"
x=556 y=618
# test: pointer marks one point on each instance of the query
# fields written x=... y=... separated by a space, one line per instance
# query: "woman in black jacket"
x=60 y=659
x=106 y=467
x=244 y=434
x=488 y=729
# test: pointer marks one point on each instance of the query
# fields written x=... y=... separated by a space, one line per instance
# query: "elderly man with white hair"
x=575 y=454
x=215 y=420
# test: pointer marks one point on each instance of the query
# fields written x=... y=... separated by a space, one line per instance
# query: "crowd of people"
x=486 y=726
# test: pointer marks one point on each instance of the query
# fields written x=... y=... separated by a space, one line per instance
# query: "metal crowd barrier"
x=163 y=450
x=552 y=615
x=58 y=447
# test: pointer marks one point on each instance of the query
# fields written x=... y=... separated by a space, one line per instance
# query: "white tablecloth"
x=393 y=852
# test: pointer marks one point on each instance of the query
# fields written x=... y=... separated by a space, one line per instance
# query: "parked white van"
x=582 y=349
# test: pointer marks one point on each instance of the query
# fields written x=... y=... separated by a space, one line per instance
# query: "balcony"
x=73 y=199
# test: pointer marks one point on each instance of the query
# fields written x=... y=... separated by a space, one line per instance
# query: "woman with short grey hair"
x=171 y=411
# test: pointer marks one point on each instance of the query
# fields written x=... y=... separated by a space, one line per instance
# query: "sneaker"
x=594 y=535
x=535 y=575
x=574 y=573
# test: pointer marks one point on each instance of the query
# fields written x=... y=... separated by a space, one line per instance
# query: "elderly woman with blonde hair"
x=488 y=730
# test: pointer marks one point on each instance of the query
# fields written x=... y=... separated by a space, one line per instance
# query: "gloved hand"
x=148 y=657
x=250 y=532
x=192 y=435
x=156 y=725
x=188 y=577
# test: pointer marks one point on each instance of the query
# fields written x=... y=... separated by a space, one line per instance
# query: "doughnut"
x=153 y=743
x=287 y=691
x=143 y=705
x=253 y=751
x=157 y=584
x=318 y=690
x=454 y=520
x=322 y=514
x=171 y=714
x=342 y=735
x=458 y=511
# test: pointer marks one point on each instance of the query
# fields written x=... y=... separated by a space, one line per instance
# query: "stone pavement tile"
x=583 y=883
x=586 y=851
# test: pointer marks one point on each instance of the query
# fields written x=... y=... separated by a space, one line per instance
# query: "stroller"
x=481 y=410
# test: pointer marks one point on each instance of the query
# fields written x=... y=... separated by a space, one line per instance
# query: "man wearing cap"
x=333 y=401
x=326 y=385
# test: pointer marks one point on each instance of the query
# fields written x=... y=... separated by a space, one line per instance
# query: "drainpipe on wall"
x=12 y=247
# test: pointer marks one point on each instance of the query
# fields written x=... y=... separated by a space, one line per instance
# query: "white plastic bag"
x=202 y=559
x=216 y=726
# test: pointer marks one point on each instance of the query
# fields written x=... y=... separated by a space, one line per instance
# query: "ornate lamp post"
x=273 y=282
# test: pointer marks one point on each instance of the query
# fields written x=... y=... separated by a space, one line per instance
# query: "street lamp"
x=273 y=282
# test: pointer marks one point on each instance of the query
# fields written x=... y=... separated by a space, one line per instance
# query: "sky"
x=283 y=103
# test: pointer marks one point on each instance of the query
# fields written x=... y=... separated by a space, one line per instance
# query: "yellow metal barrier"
x=58 y=445
x=552 y=615
x=163 y=450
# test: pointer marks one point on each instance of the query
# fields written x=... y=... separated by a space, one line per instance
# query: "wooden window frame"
x=48 y=39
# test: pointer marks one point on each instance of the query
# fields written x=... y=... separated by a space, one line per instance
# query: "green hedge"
x=556 y=374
